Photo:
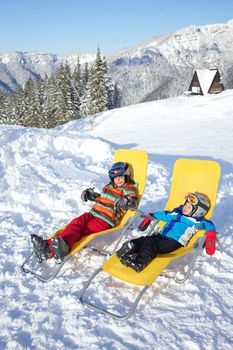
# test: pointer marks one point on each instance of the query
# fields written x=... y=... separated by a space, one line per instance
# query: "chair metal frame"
x=105 y=311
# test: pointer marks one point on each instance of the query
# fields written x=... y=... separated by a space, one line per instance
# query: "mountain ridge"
x=159 y=67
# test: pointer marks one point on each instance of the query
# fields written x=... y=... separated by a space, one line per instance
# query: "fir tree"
x=63 y=102
x=3 y=115
x=61 y=108
x=71 y=95
x=51 y=105
x=31 y=115
x=116 y=97
x=109 y=85
x=84 y=79
x=86 y=103
x=41 y=98
x=77 y=78
x=97 y=91
x=17 y=107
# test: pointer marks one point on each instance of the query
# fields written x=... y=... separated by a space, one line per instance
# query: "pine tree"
x=41 y=98
x=109 y=85
x=84 y=79
x=85 y=91
x=86 y=104
x=62 y=100
x=51 y=105
x=97 y=91
x=31 y=115
x=116 y=97
x=71 y=95
x=10 y=110
x=17 y=107
x=61 y=107
x=3 y=115
x=77 y=78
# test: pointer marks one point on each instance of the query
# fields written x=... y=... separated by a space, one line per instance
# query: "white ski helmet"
x=200 y=202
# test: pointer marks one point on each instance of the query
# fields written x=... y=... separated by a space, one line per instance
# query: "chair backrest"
x=191 y=175
x=138 y=160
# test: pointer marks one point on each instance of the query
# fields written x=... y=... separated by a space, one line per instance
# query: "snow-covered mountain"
x=43 y=173
x=17 y=67
x=160 y=67
x=163 y=66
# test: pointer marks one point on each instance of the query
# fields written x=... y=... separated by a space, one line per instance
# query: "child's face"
x=187 y=209
x=119 y=181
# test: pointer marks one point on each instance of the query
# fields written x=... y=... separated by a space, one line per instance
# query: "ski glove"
x=89 y=195
x=145 y=223
x=210 y=243
x=124 y=202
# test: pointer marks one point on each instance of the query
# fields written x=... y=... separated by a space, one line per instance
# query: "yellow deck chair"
x=138 y=161
x=189 y=175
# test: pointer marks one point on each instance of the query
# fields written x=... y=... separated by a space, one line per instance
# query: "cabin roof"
x=206 y=77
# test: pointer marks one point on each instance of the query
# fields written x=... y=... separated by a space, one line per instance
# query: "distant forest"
x=66 y=96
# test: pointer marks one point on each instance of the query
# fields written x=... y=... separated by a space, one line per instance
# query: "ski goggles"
x=116 y=172
x=192 y=199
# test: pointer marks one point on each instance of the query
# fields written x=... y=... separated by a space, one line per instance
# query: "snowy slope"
x=42 y=175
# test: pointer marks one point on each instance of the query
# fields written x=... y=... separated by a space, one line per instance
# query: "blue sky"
x=67 y=26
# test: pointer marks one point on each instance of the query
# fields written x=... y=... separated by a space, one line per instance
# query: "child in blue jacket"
x=181 y=225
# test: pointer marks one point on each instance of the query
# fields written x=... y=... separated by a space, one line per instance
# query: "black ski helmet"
x=120 y=169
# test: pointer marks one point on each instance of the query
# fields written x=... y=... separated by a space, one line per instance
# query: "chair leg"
x=198 y=249
x=220 y=245
x=40 y=277
x=105 y=311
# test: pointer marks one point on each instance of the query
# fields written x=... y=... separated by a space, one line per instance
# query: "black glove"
x=89 y=195
x=123 y=202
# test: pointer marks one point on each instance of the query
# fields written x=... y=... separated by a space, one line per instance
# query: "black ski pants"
x=150 y=246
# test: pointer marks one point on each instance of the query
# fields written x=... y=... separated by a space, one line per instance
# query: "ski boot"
x=140 y=262
x=41 y=248
x=60 y=249
x=128 y=259
x=126 y=249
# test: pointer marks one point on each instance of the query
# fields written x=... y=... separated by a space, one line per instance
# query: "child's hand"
x=122 y=202
x=89 y=195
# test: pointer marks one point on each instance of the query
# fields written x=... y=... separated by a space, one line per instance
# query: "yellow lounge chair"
x=189 y=175
x=138 y=160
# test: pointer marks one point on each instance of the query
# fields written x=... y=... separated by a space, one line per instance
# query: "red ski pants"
x=82 y=226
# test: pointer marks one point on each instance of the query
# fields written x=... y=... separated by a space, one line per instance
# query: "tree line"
x=66 y=96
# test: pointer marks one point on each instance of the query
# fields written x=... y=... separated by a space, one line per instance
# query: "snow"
x=43 y=173
x=230 y=23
